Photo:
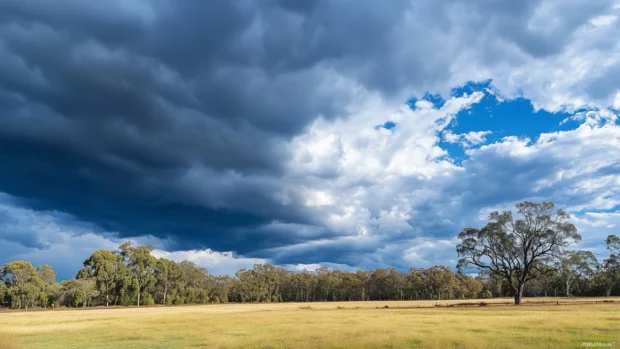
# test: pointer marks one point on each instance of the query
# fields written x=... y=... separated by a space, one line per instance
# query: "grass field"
x=320 y=325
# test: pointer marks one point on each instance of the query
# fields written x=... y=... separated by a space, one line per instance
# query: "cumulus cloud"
x=216 y=263
x=466 y=140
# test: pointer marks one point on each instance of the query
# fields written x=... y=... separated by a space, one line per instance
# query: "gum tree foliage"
x=517 y=248
x=609 y=276
x=108 y=278
x=141 y=265
x=108 y=270
x=547 y=283
x=167 y=274
x=25 y=286
x=575 y=265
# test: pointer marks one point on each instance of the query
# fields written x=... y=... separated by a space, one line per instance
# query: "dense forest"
x=131 y=275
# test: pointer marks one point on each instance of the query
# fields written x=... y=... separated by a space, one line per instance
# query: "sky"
x=351 y=134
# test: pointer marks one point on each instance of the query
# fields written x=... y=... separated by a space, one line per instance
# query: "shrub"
x=146 y=299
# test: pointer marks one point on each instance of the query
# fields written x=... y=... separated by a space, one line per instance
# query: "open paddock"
x=558 y=323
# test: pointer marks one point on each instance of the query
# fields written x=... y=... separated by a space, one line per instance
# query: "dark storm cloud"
x=172 y=118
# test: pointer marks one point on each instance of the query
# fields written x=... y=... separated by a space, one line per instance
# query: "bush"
x=216 y=300
x=178 y=301
x=146 y=299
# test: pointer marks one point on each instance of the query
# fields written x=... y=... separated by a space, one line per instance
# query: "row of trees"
x=513 y=257
x=132 y=276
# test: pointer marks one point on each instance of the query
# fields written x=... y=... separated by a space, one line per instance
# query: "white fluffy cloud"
x=396 y=189
x=466 y=140
x=582 y=70
x=216 y=263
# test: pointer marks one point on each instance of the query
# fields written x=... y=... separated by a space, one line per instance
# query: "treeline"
x=131 y=275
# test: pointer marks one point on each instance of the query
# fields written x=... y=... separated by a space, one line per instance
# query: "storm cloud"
x=255 y=127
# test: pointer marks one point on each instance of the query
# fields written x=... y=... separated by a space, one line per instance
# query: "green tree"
x=166 y=274
x=613 y=244
x=350 y=286
x=67 y=293
x=327 y=282
x=50 y=286
x=141 y=266
x=87 y=287
x=609 y=275
x=107 y=269
x=440 y=280
x=3 y=293
x=517 y=248
x=193 y=284
x=221 y=287
x=574 y=265
x=24 y=284
x=416 y=284
x=467 y=286
x=548 y=280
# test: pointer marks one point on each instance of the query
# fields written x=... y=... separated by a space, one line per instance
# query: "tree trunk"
x=138 y=295
x=165 y=290
x=567 y=289
x=518 y=294
x=107 y=300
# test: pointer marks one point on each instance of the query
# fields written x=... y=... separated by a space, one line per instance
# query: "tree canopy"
x=518 y=248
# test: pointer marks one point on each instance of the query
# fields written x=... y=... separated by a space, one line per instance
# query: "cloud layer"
x=235 y=132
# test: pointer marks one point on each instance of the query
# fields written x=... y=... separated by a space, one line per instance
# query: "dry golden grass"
x=9 y=341
x=319 y=325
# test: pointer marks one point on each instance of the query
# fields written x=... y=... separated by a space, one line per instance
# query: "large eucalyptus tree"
x=518 y=248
